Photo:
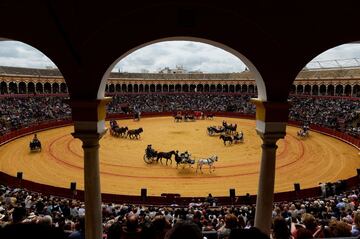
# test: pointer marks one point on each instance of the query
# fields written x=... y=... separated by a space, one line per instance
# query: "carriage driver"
x=35 y=139
x=150 y=151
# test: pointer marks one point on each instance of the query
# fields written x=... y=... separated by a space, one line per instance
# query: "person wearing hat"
x=150 y=151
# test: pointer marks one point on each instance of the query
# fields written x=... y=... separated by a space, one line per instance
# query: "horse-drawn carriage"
x=152 y=155
x=229 y=128
x=212 y=130
x=237 y=138
x=35 y=144
x=117 y=131
x=304 y=131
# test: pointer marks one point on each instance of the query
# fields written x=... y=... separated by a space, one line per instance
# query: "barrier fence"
x=165 y=199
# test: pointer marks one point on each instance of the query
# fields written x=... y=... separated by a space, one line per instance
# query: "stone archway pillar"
x=89 y=127
x=271 y=120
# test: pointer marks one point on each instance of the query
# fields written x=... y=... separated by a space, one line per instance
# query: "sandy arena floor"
x=309 y=161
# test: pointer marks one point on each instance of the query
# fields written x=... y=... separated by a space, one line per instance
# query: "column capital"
x=271 y=117
x=89 y=117
x=89 y=138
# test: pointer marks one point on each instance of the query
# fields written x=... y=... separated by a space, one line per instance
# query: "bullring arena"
x=308 y=161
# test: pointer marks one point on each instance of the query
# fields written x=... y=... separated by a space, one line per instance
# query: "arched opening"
x=300 y=89
x=158 y=88
x=315 y=90
x=244 y=88
x=31 y=88
x=123 y=88
x=206 y=88
x=219 y=88
x=259 y=81
x=225 y=88
x=136 y=88
x=322 y=89
x=118 y=88
x=152 y=88
x=171 y=88
x=307 y=89
x=165 y=88
x=192 y=88
x=130 y=88
x=13 y=88
x=339 y=90
x=107 y=88
x=147 y=88
x=141 y=88
x=3 y=88
x=185 y=88
x=347 y=90
x=331 y=90
x=47 y=88
x=39 y=88
x=356 y=91
x=238 y=88
x=111 y=88
x=232 y=88
x=55 y=88
x=251 y=89
x=177 y=88
x=200 y=88
x=22 y=88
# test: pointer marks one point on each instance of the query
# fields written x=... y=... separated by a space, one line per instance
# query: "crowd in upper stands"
x=18 y=112
x=337 y=113
x=332 y=215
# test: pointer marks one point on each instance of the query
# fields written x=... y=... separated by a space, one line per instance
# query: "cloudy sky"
x=193 y=56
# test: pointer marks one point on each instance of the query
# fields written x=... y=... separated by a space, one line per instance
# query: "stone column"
x=271 y=118
x=89 y=126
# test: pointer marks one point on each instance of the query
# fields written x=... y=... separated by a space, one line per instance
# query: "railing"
x=165 y=199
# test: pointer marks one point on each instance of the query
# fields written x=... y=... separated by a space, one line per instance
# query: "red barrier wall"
x=161 y=200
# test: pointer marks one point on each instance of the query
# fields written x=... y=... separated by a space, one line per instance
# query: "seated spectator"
x=184 y=230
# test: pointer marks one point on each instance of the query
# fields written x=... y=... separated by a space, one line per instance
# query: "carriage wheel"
x=147 y=159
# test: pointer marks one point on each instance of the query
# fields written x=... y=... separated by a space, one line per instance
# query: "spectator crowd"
x=336 y=113
x=328 y=216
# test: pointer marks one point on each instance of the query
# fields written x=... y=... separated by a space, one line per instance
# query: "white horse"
x=209 y=161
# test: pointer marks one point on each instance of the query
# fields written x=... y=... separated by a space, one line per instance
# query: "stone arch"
x=307 y=89
x=339 y=90
x=262 y=94
x=118 y=88
x=39 y=88
x=200 y=88
x=3 y=88
x=206 y=88
x=13 y=88
x=322 y=89
x=315 y=90
x=111 y=88
x=347 y=90
x=356 y=91
x=158 y=88
x=22 y=88
x=31 y=87
x=47 y=88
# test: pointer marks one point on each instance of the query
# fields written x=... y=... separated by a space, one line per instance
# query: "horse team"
x=227 y=132
x=117 y=131
x=184 y=158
